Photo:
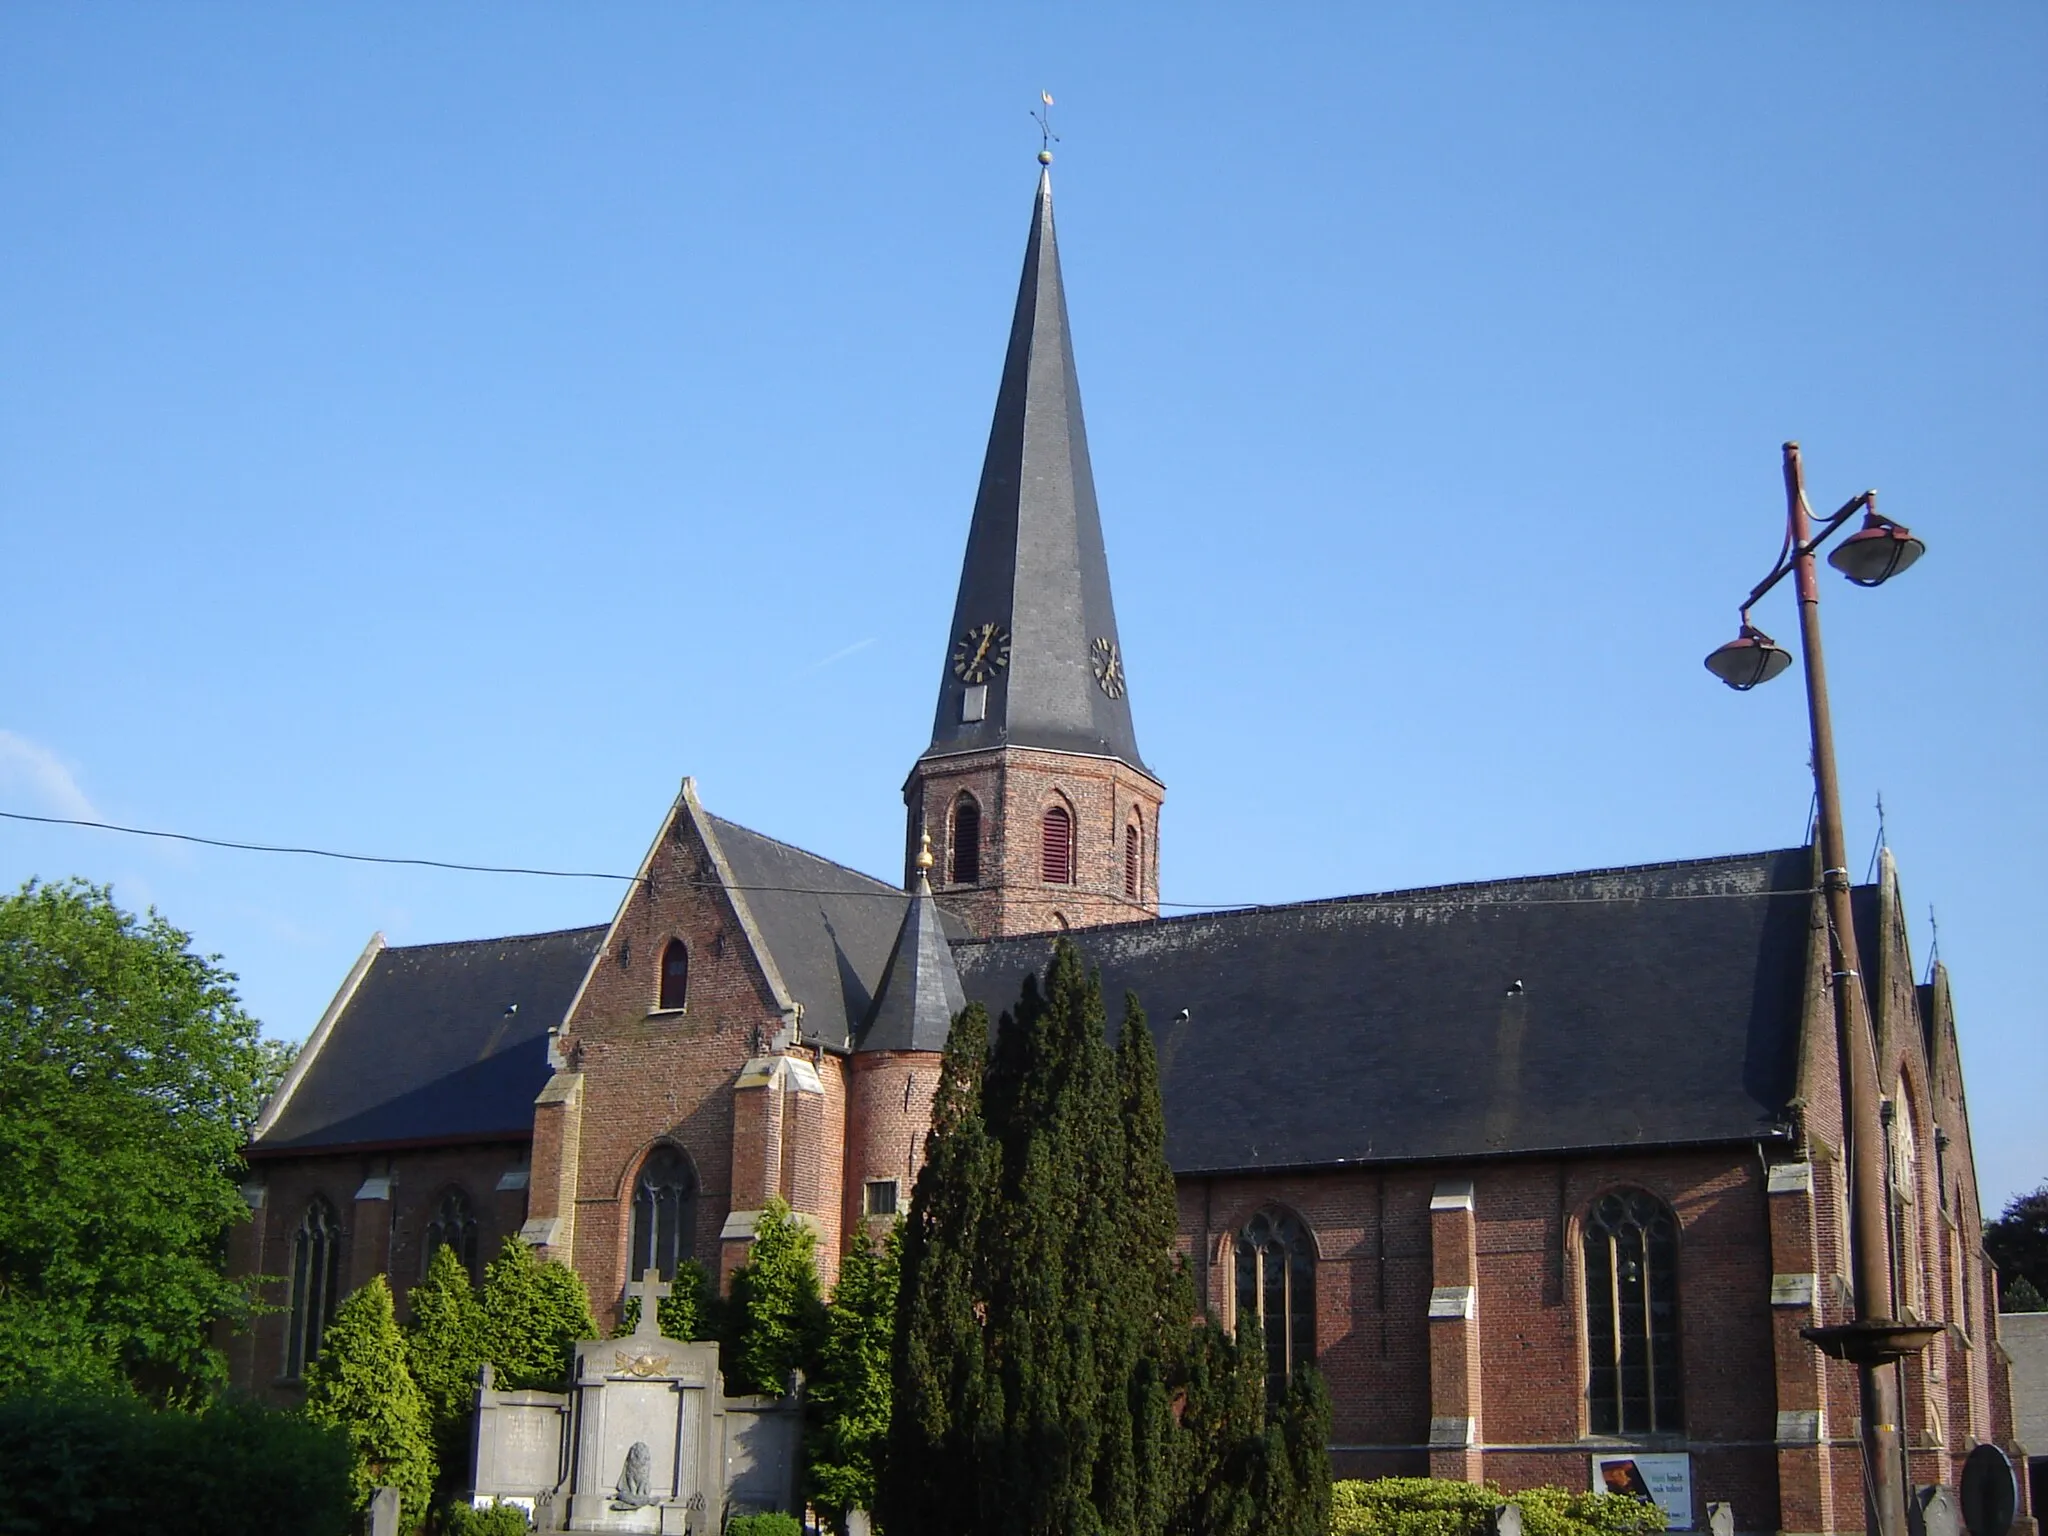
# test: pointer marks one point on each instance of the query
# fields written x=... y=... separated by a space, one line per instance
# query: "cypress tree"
x=361 y=1385
x=444 y=1346
x=930 y=1480
x=777 y=1313
x=848 y=1404
x=534 y=1313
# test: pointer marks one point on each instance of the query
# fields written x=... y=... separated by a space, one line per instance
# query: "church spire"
x=1033 y=659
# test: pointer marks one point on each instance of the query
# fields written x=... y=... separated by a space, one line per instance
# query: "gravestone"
x=645 y=1439
x=1506 y=1520
x=1934 y=1512
x=384 y=1507
x=1721 y=1519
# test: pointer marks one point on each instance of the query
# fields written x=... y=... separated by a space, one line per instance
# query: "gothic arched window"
x=675 y=975
x=1134 y=850
x=453 y=1226
x=1056 y=846
x=1632 y=1344
x=1276 y=1286
x=966 y=841
x=316 y=1279
x=664 y=1213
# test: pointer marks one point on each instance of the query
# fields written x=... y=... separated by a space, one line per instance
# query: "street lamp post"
x=1874 y=1340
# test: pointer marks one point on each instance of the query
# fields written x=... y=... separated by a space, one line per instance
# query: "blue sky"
x=434 y=430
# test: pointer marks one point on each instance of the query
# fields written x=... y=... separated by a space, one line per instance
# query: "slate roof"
x=920 y=992
x=1035 y=565
x=831 y=948
x=1644 y=1006
x=440 y=1042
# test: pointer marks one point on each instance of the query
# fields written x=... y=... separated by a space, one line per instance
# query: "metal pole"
x=1856 y=1043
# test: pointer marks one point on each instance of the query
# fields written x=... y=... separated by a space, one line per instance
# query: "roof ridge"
x=1417 y=891
x=500 y=938
x=889 y=886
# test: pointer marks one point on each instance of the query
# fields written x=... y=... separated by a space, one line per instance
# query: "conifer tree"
x=777 y=1313
x=929 y=1481
x=444 y=1346
x=534 y=1313
x=361 y=1385
x=849 y=1397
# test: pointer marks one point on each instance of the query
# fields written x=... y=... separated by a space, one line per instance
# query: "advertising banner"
x=1664 y=1480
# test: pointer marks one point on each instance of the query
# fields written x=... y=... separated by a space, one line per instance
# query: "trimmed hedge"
x=87 y=1464
x=1424 y=1506
x=463 y=1519
x=764 y=1525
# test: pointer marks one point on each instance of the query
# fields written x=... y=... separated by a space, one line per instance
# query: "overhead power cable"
x=1417 y=897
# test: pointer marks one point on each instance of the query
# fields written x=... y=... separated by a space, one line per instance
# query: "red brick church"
x=1537 y=1171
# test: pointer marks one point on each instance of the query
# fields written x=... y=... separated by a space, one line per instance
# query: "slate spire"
x=1033 y=658
x=920 y=992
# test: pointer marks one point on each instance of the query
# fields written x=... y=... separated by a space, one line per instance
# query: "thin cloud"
x=838 y=656
x=31 y=769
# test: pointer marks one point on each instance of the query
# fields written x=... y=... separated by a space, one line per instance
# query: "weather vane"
x=1046 y=137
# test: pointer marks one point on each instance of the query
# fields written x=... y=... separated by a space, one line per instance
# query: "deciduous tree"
x=129 y=1079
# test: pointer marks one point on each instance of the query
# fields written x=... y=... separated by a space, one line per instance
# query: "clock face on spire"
x=1108 y=664
x=982 y=652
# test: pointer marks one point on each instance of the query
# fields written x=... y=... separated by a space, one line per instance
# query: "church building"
x=1543 y=1173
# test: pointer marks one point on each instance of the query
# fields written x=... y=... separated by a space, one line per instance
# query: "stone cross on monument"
x=650 y=1288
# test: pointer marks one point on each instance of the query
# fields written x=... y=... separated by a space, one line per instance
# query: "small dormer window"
x=675 y=975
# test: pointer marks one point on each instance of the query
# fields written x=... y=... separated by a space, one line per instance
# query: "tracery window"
x=1631 y=1246
x=453 y=1226
x=675 y=975
x=1276 y=1287
x=966 y=842
x=1056 y=846
x=1133 y=860
x=316 y=1282
x=664 y=1213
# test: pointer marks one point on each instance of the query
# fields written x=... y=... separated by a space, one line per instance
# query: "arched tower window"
x=453 y=1226
x=1134 y=856
x=1632 y=1344
x=675 y=975
x=664 y=1213
x=966 y=847
x=1276 y=1285
x=316 y=1278
x=1056 y=846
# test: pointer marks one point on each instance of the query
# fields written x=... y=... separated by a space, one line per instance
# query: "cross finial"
x=650 y=1288
x=1046 y=137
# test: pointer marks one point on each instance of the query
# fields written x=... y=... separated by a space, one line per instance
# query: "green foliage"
x=770 y=1524
x=778 y=1316
x=689 y=1312
x=848 y=1403
x=2018 y=1245
x=444 y=1348
x=2020 y=1296
x=534 y=1313
x=462 y=1518
x=129 y=1078
x=1421 y=1506
x=106 y=1462
x=1044 y=1332
x=361 y=1385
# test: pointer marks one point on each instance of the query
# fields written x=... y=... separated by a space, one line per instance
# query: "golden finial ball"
x=1045 y=157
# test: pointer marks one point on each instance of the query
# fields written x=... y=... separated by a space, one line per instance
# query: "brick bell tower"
x=1040 y=811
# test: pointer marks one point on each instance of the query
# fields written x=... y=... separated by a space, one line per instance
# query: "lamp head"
x=1752 y=657
x=1876 y=552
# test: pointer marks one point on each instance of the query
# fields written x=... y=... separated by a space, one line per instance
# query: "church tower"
x=1040 y=812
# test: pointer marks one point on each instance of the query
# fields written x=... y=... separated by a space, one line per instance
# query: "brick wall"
x=1013 y=787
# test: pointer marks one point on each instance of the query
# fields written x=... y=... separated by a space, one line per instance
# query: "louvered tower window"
x=1056 y=846
x=966 y=842
x=1631 y=1242
x=1133 y=861
x=675 y=975
x=664 y=1213
x=1276 y=1287
x=316 y=1280
x=453 y=1226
